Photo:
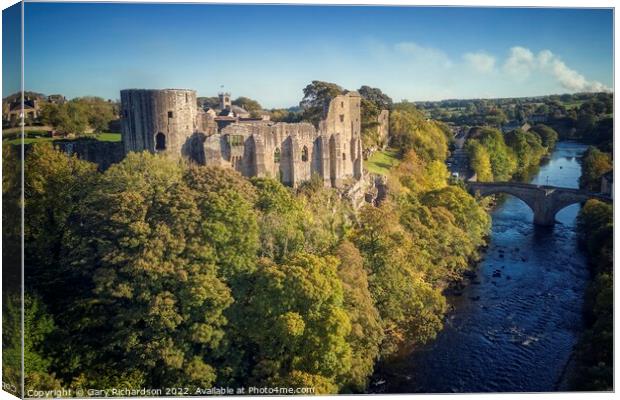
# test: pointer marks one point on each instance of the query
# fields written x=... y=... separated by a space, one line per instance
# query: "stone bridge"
x=545 y=201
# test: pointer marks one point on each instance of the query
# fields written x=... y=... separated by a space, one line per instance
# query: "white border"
x=466 y=3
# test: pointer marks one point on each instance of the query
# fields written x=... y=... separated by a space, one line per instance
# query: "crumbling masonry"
x=170 y=122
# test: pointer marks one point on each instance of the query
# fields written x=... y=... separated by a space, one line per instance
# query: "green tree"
x=317 y=96
x=99 y=112
x=527 y=147
x=229 y=222
x=370 y=113
x=547 y=135
x=411 y=310
x=594 y=352
x=70 y=117
x=479 y=161
x=366 y=330
x=503 y=161
x=248 y=104
x=295 y=321
x=411 y=131
x=154 y=308
x=376 y=96
x=38 y=325
x=281 y=220
x=467 y=214
x=594 y=164
x=55 y=186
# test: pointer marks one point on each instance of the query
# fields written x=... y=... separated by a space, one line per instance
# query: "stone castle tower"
x=169 y=121
x=157 y=120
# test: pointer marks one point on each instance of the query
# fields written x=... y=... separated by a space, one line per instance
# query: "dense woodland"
x=594 y=354
x=158 y=273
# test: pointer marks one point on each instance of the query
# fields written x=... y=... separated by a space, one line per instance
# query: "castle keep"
x=169 y=121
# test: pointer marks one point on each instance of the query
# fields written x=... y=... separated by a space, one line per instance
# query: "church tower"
x=225 y=103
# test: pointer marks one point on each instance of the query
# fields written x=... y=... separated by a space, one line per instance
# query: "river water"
x=514 y=326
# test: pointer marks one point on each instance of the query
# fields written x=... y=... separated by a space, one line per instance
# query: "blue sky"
x=271 y=52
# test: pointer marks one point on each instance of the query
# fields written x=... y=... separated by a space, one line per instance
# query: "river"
x=515 y=325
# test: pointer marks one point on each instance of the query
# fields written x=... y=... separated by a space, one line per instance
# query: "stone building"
x=169 y=121
x=30 y=111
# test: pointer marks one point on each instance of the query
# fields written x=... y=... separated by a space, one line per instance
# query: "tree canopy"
x=317 y=96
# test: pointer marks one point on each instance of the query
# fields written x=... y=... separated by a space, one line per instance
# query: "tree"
x=295 y=322
x=248 y=104
x=495 y=117
x=153 y=305
x=376 y=96
x=503 y=161
x=281 y=220
x=225 y=201
x=594 y=351
x=55 y=186
x=99 y=112
x=594 y=164
x=38 y=325
x=366 y=331
x=527 y=147
x=468 y=216
x=411 y=131
x=208 y=102
x=285 y=115
x=70 y=117
x=317 y=96
x=547 y=135
x=411 y=310
x=479 y=161
x=12 y=216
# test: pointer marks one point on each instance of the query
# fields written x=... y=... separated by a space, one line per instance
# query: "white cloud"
x=480 y=61
x=522 y=62
x=427 y=55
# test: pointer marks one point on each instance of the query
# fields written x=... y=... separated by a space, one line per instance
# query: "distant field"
x=382 y=161
x=34 y=137
x=573 y=104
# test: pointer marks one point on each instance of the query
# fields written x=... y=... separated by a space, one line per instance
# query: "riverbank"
x=514 y=326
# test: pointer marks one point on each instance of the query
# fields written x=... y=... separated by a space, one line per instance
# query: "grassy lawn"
x=382 y=161
x=109 y=137
x=35 y=137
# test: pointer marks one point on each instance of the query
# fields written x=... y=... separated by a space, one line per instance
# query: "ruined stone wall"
x=289 y=152
x=342 y=127
x=158 y=120
x=282 y=151
x=104 y=154
x=383 y=128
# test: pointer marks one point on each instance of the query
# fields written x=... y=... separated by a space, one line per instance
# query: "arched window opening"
x=160 y=142
x=276 y=155
x=304 y=154
x=344 y=157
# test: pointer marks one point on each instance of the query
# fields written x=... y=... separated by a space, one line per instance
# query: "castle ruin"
x=169 y=121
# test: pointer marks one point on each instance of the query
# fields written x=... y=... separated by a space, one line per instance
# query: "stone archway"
x=160 y=142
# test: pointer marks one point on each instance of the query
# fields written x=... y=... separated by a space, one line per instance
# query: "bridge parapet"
x=544 y=200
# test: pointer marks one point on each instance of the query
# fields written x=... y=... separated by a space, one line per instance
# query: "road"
x=458 y=162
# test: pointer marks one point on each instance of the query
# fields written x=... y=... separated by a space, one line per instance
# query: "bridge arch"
x=545 y=201
x=490 y=191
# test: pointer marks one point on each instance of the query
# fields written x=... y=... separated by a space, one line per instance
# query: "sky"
x=270 y=53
